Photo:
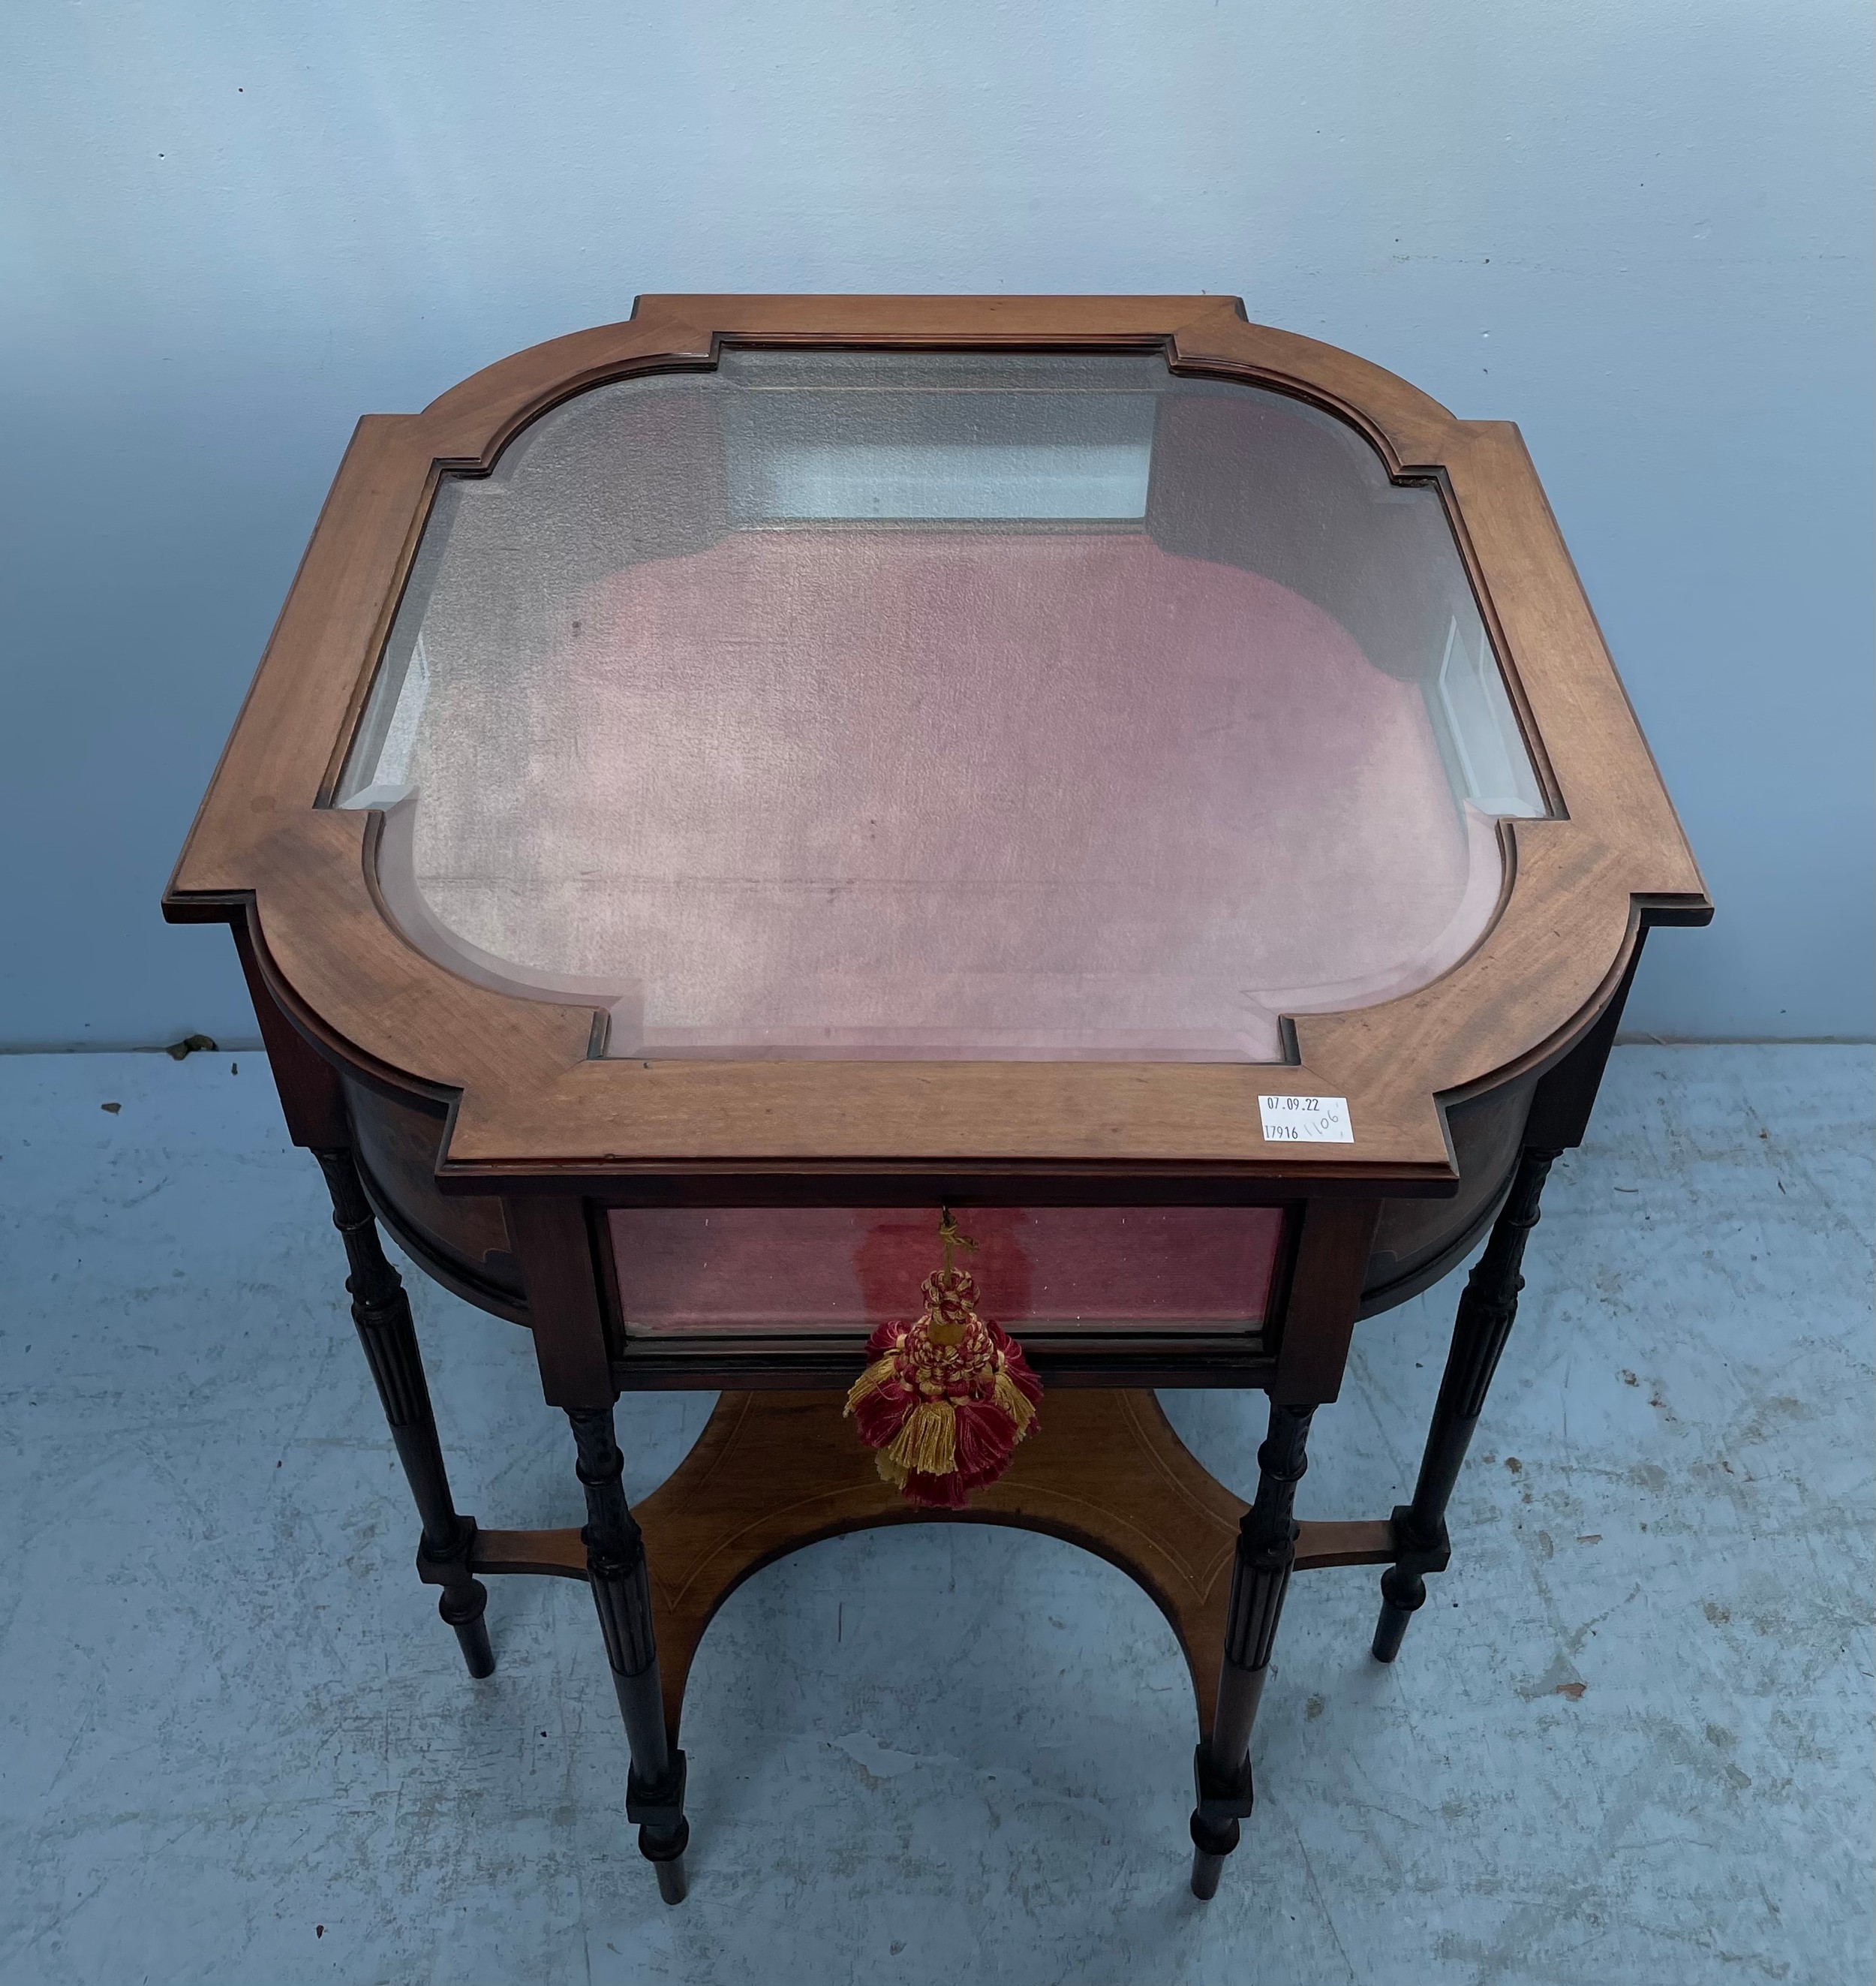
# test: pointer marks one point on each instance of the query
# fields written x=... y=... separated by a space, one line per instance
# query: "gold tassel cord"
x=949 y=1238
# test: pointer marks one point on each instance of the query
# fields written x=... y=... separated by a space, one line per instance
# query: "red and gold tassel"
x=944 y=1399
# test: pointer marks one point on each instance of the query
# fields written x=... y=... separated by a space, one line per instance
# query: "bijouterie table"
x=934 y=865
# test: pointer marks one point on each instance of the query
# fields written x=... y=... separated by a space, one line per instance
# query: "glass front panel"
x=947 y=704
x=747 y=1271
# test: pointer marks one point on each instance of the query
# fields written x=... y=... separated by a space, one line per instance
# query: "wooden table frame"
x=529 y=1120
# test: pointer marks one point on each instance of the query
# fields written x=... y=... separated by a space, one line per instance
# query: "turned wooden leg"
x=380 y=1309
x=1486 y=1311
x=622 y=1592
x=1259 y=1577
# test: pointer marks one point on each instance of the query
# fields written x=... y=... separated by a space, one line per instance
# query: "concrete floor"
x=1629 y=1739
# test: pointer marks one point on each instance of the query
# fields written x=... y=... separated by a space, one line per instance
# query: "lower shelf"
x=773 y=1472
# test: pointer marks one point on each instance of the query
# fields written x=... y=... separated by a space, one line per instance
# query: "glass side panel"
x=750 y=1271
x=941 y=705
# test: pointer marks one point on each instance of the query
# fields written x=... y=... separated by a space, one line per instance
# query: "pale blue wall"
x=1638 y=228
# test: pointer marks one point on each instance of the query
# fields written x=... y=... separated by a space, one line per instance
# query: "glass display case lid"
x=961 y=705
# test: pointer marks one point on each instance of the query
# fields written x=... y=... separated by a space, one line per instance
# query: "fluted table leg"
x=1487 y=1311
x=380 y=1309
x=1266 y=1554
x=621 y=1586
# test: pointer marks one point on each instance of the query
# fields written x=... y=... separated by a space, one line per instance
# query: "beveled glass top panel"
x=954 y=705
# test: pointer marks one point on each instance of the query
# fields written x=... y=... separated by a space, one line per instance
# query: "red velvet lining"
x=735 y=1270
x=951 y=793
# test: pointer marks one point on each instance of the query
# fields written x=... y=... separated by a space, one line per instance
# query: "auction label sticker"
x=1306 y=1120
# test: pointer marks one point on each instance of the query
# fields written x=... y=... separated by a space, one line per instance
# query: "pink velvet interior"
x=722 y=1271
x=941 y=792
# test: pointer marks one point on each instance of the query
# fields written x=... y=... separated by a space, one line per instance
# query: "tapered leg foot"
x=464 y=1599
x=663 y=1833
x=663 y=1848
x=674 y=1884
x=1402 y=1597
x=1211 y=1844
x=1487 y=1311
x=472 y=1629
